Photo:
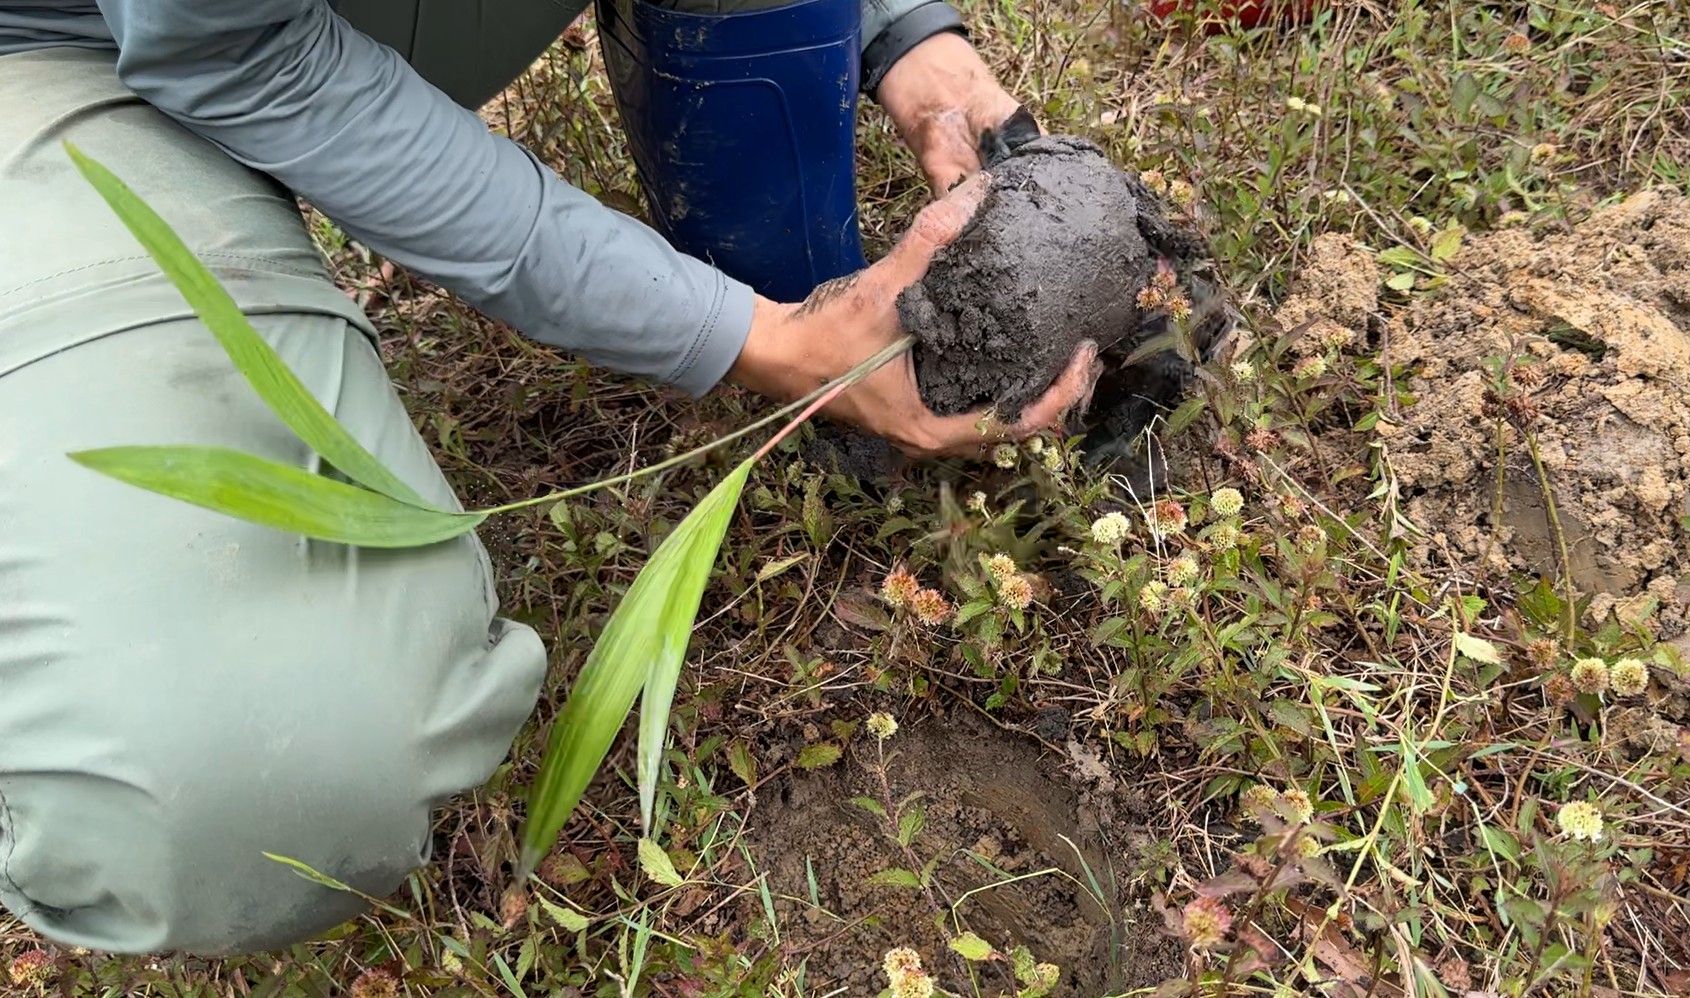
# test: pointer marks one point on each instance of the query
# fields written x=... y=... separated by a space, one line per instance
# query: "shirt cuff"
x=904 y=30
x=719 y=340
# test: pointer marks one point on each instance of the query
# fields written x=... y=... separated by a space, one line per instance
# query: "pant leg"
x=181 y=692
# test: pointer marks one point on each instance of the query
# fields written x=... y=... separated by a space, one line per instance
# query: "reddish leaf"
x=861 y=610
x=1232 y=882
x=1347 y=963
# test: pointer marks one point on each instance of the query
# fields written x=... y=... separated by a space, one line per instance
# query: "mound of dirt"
x=996 y=817
x=1597 y=321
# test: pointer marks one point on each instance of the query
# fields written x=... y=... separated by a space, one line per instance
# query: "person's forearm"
x=289 y=88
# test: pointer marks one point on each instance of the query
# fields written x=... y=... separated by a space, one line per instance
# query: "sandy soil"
x=1593 y=327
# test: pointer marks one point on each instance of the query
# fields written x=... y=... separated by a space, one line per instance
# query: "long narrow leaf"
x=257 y=361
x=644 y=642
x=277 y=495
x=680 y=611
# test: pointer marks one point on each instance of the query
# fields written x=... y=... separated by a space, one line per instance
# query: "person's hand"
x=941 y=96
x=795 y=349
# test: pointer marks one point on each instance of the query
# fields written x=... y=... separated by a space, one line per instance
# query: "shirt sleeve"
x=289 y=88
x=890 y=28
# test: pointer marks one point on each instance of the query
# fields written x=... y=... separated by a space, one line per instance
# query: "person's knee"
x=181 y=831
x=188 y=696
x=192 y=855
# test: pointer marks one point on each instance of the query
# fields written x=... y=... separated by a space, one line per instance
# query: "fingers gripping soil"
x=1054 y=258
x=936 y=227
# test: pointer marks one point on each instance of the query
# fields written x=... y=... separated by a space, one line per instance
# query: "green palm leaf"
x=257 y=361
x=277 y=495
x=642 y=647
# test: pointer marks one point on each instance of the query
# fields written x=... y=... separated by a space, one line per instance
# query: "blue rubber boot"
x=743 y=131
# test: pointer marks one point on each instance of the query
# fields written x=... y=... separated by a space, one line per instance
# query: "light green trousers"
x=181 y=692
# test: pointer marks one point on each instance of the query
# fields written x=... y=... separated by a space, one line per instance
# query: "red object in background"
x=1250 y=13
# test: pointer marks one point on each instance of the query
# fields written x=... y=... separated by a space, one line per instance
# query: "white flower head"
x=1629 y=676
x=1580 y=820
x=882 y=725
x=1226 y=502
x=1590 y=675
x=1110 y=528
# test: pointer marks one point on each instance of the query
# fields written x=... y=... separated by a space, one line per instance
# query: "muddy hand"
x=793 y=349
x=944 y=99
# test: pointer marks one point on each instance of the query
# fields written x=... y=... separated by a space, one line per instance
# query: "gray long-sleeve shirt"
x=294 y=89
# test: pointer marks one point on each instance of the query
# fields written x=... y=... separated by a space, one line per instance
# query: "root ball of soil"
x=1053 y=256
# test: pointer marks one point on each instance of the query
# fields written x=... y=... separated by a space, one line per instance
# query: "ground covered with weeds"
x=1382 y=695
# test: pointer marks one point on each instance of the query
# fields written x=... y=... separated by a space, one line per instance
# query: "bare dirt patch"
x=1594 y=325
x=1009 y=831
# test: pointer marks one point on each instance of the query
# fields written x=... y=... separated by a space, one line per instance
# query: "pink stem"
x=798 y=420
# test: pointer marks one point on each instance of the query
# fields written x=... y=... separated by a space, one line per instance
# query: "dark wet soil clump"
x=1054 y=256
x=1068 y=247
x=846 y=450
x=1065 y=247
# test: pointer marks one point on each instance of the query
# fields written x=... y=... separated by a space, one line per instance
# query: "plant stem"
x=828 y=395
x=893 y=819
x=815 y=400
x=1570 y=612
x=1501 y=491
